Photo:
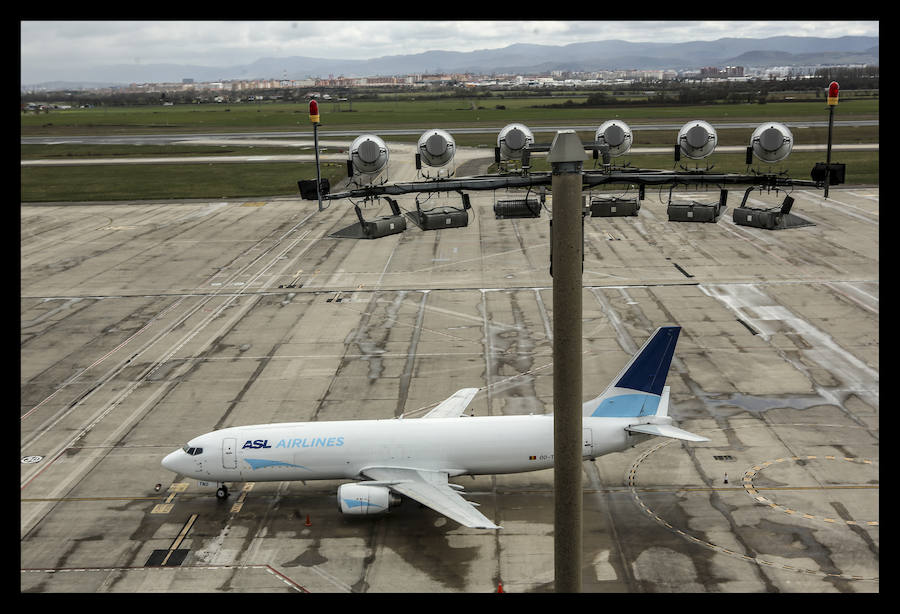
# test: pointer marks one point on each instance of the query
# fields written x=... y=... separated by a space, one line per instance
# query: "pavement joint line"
x=630 y=481
x=267 y=260
x=208 y=567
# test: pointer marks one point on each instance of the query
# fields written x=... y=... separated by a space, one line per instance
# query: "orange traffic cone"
x=308 y=523
x=499 y=587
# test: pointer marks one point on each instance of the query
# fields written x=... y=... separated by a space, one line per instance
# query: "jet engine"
x=436 y=147
x=616 y=134
x=363 y=500
x=697 y=139
x=772 y=142
x=368 y=154
x=513 y=140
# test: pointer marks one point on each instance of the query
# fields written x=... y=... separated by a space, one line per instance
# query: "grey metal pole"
x=567 y=158
x=318 y=173
x=828 y=154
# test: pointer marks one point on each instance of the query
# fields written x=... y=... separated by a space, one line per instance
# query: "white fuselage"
x=343 y=449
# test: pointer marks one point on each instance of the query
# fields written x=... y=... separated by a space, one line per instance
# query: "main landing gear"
x=222 y=492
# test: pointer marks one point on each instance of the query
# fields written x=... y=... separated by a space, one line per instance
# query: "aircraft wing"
x=454 y=406
x=431 y=488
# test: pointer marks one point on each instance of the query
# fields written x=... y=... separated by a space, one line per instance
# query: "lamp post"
x=567 y=158
x=833 y=91
x=314 y=118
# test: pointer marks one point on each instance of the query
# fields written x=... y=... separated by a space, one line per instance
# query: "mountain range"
x=522 y=58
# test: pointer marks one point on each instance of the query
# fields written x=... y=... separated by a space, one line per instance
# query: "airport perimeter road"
x=144 y=324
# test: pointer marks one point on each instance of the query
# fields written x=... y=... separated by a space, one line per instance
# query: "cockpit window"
x=192 y=451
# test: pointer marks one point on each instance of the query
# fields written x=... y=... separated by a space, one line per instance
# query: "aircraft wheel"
x=222 y=493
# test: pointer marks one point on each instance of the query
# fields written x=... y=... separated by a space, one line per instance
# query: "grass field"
x=231 y=180
x=407 y=113
x=164 y=181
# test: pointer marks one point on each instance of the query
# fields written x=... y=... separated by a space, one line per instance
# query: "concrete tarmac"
x=145 y=323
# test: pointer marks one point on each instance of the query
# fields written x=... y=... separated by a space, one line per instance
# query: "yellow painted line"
x=753 y=491
x=240 y=502
x=872 y=523
x=254 y=204
x=184 y=531
x=174 y=489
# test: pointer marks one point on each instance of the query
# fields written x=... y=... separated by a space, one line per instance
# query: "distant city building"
x=710 y=72
x=555 y=78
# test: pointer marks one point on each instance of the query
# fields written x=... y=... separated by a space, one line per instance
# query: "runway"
x=327 y=133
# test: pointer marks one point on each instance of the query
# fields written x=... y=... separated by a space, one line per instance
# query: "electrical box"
x=440 y=217
x=517 y=208
x=694 y=211
x=612 y=206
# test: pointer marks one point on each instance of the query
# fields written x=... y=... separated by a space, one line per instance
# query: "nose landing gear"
x=222 y=492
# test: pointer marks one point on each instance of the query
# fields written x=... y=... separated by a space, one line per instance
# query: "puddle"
x=755 y=404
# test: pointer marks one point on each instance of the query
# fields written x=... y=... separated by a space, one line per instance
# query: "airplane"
x=417 y=457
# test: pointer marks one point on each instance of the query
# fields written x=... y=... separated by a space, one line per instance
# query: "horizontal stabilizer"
x=665 y=430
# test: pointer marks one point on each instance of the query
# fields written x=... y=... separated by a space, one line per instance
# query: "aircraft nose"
x=170 y=462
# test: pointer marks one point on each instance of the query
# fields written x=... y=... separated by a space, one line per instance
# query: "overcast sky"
x=51 y=49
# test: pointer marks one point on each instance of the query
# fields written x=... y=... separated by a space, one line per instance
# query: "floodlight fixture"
x=771 y=142
x=616 y=134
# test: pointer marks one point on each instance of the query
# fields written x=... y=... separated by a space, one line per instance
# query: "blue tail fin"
x=637 y=390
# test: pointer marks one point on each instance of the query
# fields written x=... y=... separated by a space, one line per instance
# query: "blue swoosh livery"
x=627 y=406
x=262 y=463
x=355 y=503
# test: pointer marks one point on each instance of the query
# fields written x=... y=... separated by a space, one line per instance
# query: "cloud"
x=57 y=50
